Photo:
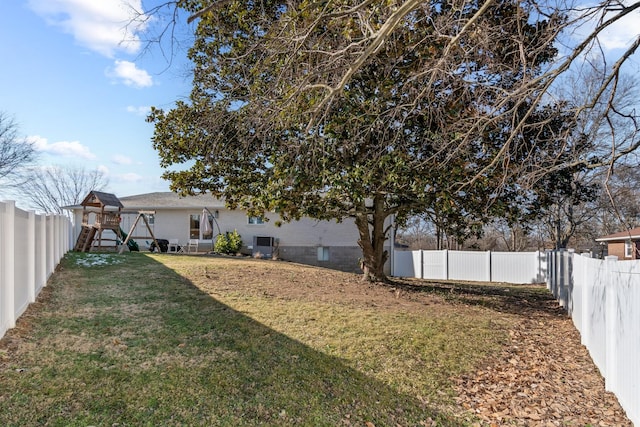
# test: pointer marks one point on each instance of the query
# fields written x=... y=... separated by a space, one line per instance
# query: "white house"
x=323 y=243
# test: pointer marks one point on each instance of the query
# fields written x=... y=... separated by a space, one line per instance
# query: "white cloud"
x=619 y=35
x=104 y=26
x=130 y=177
x=119 y=159
x=103 y=169
x=62 y=148
x=130 y=74
x=139 y=111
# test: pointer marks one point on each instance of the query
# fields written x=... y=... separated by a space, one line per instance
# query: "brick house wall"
x=618 y=249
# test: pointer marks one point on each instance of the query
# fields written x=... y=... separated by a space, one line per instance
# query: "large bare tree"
x=48 y=189
x=16 y=153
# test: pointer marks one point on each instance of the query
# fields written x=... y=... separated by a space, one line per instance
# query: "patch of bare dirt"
x=293 y=281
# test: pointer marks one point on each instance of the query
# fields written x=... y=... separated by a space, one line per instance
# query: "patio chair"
x=174 y=246
x=192 y=246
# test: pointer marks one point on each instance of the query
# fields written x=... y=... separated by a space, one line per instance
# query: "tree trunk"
x=372 y=238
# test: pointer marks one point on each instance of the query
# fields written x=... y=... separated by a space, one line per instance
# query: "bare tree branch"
x=16 y=154
x=50 y=188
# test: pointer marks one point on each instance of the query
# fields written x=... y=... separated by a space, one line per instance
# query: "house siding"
x=617 y=249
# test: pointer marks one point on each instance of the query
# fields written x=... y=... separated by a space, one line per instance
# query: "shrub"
x=235 y=241
x=228 y=243
x=221 y=245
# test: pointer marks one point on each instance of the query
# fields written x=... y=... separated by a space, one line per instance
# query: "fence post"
x=541 y=267
x=7 y=282
x=611 y=323
x=553 y=260
x=56 y=243
x=556 y=288
x=42 y=250
x=488 y=278
x=31 y=253
x=567 y=286
x=51 y=264
x=552 y=269
x=556 y=256
x=446 y=264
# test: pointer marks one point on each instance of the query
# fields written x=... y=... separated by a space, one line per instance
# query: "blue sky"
x=81 y=94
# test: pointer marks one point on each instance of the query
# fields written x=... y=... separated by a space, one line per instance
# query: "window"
x=194 y=226
x=255 y=220
x=323 y=253
x=151 y=218
x=628 y=249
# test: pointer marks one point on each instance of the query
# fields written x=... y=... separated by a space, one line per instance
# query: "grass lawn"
x=156 y=339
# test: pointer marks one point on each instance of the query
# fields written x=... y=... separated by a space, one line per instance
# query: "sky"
x=79 y=82
x=81 y=94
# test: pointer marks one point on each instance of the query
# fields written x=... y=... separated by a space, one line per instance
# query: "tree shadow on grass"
x=504 y=298
x=150 y=348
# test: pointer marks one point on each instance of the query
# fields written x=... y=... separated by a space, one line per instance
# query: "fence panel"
x=407 y=263
x=470 y=265
x=40 y=243
x=623 y=336
x=518 y=267
x=6 y=298
x=510 y=267
x=31 y=246
x=592 y=307
x=21 y=260
x=435 y=265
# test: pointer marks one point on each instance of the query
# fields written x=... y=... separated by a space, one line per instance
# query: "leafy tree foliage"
x=408 y=133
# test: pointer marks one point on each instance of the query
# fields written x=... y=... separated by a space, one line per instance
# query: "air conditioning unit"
x=263 y=245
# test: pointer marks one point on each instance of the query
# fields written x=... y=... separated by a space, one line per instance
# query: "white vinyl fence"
x=603 y=299
x=509 y=267
x=31 y=247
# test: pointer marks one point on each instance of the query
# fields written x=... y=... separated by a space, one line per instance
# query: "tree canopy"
x=367 y=110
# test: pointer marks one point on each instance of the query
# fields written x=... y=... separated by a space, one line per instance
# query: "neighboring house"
x=624 y=245
x=323 y=243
